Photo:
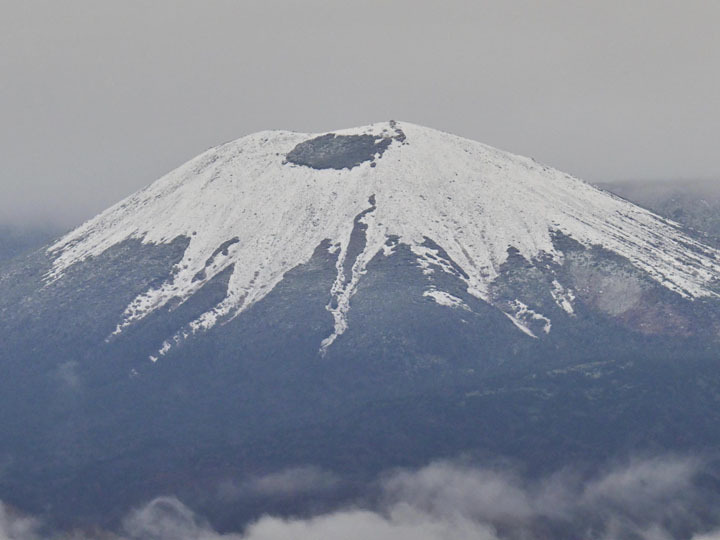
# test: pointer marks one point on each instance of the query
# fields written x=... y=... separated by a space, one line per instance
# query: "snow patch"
x=520 y=326
x=446 y=299
x=563 y=297
x=523 y=315
x=343 y=289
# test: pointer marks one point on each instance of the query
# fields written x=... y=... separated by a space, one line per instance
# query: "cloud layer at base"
x=648 y=499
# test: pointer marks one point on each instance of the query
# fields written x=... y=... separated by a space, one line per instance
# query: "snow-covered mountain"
x=351 y=301
x=262 y=204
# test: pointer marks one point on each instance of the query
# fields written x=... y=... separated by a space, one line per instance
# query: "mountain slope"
x=695 y=204
x=353 y=302
x=260 y=205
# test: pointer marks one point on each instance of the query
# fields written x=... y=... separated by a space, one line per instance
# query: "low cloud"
x=293 y=482
x=167 y=518
x=67 y=375
x=649 y=499
x=15 y=526
x=652 y=498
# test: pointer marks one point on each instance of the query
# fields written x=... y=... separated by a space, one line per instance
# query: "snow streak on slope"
x=243 y=205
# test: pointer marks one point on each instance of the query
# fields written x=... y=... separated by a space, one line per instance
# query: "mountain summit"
x=261 y=205
x=347 y=302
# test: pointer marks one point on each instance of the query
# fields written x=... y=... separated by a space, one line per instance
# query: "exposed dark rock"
x=338 y=151
x=223 y=248
x=358 y=240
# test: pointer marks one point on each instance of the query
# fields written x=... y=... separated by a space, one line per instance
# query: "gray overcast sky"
x=101 y=97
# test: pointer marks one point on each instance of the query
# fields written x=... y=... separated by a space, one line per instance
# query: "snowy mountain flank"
x=261 y=206
x=352 y=302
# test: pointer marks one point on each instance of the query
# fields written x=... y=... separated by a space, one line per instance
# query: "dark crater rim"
x=333 y=151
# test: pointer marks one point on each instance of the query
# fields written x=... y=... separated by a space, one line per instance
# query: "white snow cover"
x=446 y=299
x=563 y=298
x=522 y=316
x=472 y=200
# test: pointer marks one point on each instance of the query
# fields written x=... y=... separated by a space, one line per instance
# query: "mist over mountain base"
x=650 y=498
